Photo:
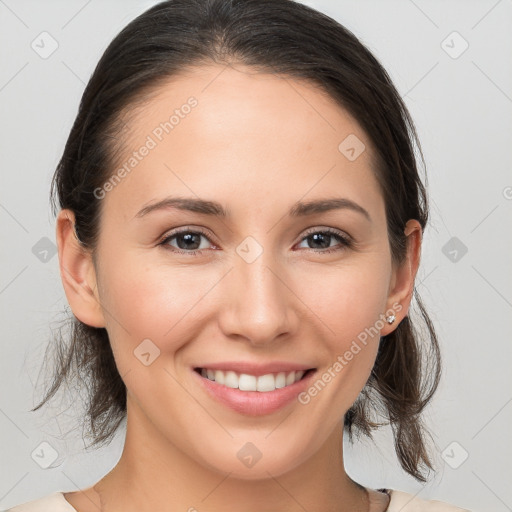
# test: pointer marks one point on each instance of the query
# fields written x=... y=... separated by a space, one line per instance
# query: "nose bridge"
x=258 y=305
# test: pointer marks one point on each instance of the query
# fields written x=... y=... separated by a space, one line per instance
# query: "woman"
x=239 y=232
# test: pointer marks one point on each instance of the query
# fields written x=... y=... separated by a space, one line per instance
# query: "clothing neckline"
x=67 y=507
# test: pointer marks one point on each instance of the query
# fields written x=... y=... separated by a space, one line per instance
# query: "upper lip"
x=256 y=369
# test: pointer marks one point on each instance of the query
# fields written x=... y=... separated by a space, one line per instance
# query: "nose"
x=259 y=305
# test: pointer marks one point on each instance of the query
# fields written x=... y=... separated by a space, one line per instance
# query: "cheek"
x=147 y=302
x=349 y=303
x=347 y=299
x=164 y=303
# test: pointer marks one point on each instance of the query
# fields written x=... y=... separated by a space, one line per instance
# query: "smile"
x=247 y=382
x=254 y=395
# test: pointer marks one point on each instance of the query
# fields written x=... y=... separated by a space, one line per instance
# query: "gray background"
x=462 y=105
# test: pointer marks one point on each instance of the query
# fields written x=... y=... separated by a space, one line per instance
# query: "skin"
x=257 y=143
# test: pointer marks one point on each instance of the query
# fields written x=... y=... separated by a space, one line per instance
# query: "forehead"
x=228 y=131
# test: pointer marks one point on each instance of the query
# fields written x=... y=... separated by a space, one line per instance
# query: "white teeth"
x=281 y=380
x=219 y=376
x=230 y=380
x=266 y=383
x=245 y=382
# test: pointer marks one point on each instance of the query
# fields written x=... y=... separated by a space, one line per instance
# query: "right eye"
x=188 y=241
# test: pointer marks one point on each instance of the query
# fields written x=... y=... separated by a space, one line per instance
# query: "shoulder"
x=405 y=502
x=54 y=502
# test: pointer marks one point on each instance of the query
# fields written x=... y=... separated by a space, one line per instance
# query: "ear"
x=77 y=272
x=402 y=282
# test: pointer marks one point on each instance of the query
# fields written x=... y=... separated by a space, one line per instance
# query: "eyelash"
x=345 y=241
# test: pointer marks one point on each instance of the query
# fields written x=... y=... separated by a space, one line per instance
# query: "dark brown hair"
x=271 y=36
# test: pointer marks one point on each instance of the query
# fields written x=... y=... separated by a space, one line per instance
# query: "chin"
x=247 y=462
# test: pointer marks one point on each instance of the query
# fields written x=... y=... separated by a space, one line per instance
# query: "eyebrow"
x=205 y=207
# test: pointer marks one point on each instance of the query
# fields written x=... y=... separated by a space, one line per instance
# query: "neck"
x=155 y=474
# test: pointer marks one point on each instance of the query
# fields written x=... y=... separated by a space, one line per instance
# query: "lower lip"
x=254 y=403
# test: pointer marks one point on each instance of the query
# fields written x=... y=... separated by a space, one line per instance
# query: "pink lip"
x=254 y=368
x=254 y=403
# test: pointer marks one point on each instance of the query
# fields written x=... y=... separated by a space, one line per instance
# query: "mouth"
x=266 y=383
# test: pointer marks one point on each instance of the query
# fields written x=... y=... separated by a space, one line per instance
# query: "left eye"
x=325 y=237
x=189 y=242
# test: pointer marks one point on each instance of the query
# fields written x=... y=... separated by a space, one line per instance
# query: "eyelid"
x=325 y=229
x=186 y=229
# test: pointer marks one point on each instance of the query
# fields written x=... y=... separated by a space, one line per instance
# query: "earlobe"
x=402 y=282
x=77 y=272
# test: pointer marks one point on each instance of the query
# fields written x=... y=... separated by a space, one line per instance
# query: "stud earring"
x=390 y=319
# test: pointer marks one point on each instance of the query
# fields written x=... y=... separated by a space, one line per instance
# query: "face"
x=270 y=283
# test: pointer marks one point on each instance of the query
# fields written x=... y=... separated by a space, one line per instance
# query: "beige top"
x=399 y=502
